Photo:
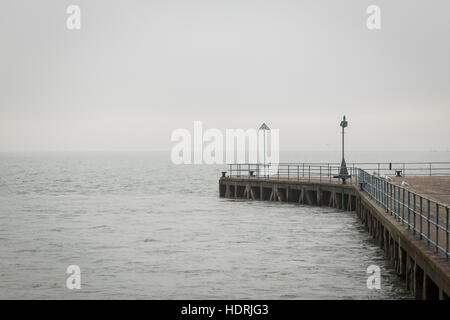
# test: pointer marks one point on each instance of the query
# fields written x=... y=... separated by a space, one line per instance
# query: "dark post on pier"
x=343 y=172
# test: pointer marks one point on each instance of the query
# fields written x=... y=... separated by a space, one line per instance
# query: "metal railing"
x=405 y=168
x=287 y=171
x=378 y=168
x=424 y=216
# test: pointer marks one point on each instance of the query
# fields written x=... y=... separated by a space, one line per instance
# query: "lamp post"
x=343 y=173
x=265 y=128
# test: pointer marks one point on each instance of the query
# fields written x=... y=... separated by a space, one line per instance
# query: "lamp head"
x=344 y=122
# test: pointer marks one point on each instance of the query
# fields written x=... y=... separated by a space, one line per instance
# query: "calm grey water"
x=140 y=227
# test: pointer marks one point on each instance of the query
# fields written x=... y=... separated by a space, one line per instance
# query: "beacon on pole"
x=265 y=128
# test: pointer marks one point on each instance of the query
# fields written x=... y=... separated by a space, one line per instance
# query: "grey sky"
x=137 y=70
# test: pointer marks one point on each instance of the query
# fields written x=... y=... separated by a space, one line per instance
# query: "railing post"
x=320 y=174
x=421 y=217
x=374 y=183
x=379 y=191
x=390 y=197
x=446 y=238
x=370 y=178
x=372 y=187
x=392 y=192
x=428 y=222
x=377 y=183
x=394 y=200
x=388 y=202
x=386 y=195
x=414 y=214
x=403 y=206
x=382 y=193
x=437 y=227
x=409 y=210
x=380 y=188
x=375 y=188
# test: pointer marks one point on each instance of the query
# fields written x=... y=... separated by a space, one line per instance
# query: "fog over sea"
x=140 y=227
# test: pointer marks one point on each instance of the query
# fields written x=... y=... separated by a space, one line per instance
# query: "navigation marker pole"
x=265 y=128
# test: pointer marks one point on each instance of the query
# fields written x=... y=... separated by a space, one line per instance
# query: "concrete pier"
x=425 y=272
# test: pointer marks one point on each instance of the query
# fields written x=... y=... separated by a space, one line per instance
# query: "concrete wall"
x=426 y=274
